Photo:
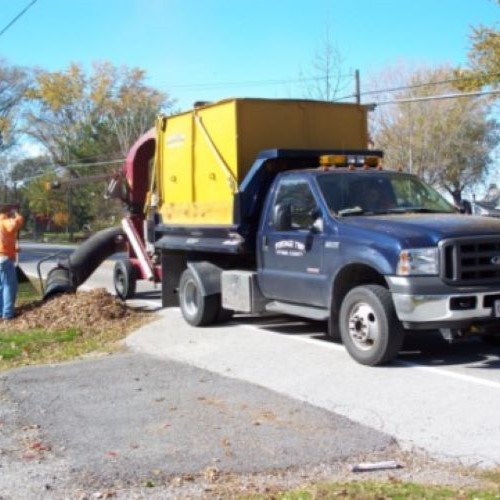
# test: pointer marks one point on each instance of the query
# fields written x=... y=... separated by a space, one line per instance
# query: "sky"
x=214 y=49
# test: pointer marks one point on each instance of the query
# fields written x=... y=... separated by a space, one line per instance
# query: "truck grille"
x=471 y=261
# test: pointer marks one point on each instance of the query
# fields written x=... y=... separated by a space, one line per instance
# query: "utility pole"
x=358 y=86
x=410 y=153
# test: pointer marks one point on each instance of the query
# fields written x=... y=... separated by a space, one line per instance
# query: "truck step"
x=316 y=313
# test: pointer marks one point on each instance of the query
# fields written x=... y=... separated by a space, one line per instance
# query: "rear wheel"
x=369 y=327
x=124 y=278
x=223 y=315
x=197 y=309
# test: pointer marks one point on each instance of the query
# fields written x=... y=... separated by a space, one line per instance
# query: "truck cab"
x=376 y=252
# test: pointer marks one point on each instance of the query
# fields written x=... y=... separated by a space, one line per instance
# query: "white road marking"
x=447 y=373
x=431 y=369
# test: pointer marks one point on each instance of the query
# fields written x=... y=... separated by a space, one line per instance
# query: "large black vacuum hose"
x=74 y=270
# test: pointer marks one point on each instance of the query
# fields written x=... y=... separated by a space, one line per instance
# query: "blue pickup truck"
x=371 y=251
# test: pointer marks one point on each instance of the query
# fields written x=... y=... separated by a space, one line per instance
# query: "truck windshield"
x=362 y=193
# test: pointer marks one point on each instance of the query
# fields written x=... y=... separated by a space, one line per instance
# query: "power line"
x=72 y=165
x=249 y=83
x=428 y=84
x=417 y=86
x=95 y=164
x=17 y=17
x=282 y=81
x=439 y=97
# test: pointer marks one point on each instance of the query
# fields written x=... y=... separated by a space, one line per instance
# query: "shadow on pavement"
x=426 y=348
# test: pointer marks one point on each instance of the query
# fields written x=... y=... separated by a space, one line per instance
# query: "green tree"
x=13 y=84
x=29 y=168
x=484 y=59
x=88 y=122
x=41 y=203
x=448 y=142
x=17 y=174
x=91 y=117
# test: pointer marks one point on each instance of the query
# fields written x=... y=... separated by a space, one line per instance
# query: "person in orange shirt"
x=10 y=223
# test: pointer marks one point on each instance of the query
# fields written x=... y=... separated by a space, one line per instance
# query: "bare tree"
x=448 y=142
x=325 y=79
x=13 y=84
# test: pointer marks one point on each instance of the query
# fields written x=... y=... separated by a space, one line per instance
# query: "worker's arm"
x=13 y=224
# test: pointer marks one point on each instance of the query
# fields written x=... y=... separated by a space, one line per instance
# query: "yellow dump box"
x=203 y=155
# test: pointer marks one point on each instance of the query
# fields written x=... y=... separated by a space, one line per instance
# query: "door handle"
x=265 y=242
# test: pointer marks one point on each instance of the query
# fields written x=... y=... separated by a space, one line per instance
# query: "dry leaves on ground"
x=92 y=312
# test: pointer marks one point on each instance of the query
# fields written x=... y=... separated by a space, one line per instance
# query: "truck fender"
x=378 y=264
x=351 y=274
x=207 y=275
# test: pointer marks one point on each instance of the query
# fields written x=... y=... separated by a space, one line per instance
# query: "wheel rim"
x=364 y=327
x=191 y=298
x=120 y=282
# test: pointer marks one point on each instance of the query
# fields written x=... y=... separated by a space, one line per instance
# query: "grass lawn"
x=19 y=345
x=65 y=327
x=14 y=345
x=374 y=490
x=28 y=291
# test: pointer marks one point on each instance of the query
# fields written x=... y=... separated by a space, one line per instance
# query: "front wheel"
x=124 y=278
x=490 y=339
x=369 y=327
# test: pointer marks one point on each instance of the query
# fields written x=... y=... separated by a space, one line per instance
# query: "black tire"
x=333 y=327
x=369 y=327
x=223 y=315
x=490 y=339
x=197 y=309
x=124 y=279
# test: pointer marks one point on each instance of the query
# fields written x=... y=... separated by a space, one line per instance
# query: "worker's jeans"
x=8 y=288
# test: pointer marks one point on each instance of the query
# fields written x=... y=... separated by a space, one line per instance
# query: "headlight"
x=417 y=261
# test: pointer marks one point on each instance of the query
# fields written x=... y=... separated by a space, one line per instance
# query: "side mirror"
x=282 y=217
x=317 y=226
x=317 y=220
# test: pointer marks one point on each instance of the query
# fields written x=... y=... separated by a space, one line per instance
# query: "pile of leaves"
x=68 y=326
x=93 y=310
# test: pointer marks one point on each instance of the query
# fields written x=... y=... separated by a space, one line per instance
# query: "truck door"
x=291 y=244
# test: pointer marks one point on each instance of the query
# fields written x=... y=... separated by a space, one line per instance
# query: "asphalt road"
x=130 y=420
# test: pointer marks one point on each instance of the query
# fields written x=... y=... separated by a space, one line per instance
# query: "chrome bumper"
x=435 y=307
